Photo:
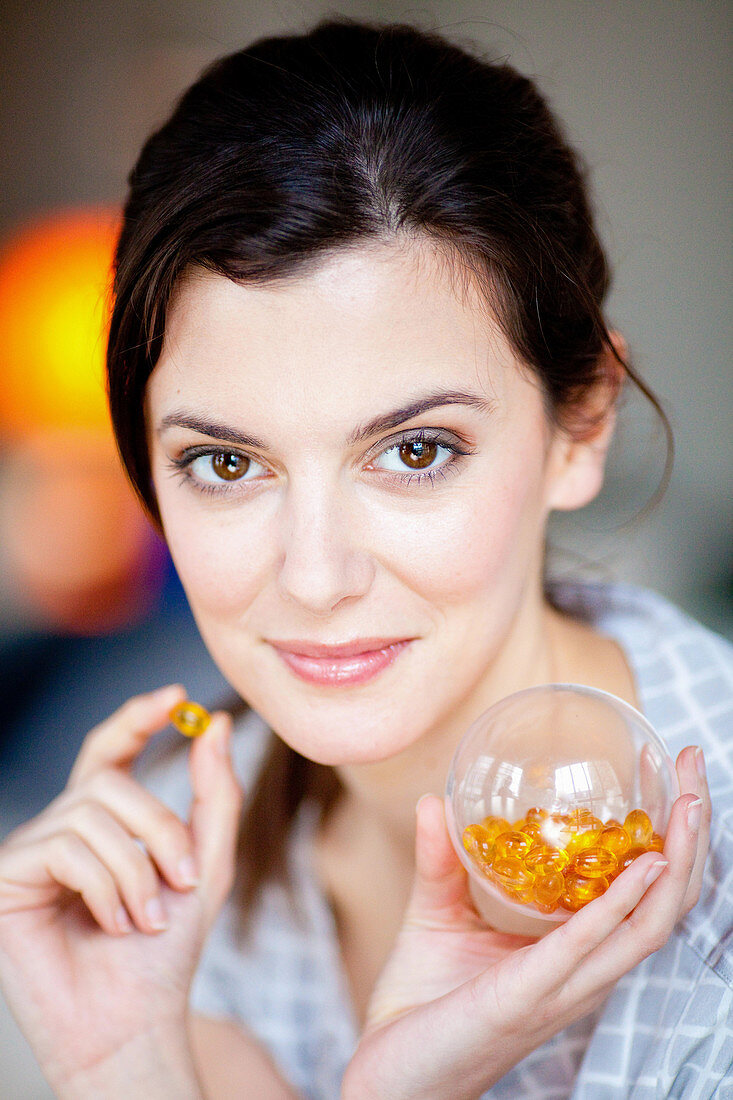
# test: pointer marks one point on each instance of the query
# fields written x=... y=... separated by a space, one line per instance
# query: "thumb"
x=440 y=878
x=215 y=812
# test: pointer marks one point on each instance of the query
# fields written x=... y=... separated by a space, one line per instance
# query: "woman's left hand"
x=458 y=1004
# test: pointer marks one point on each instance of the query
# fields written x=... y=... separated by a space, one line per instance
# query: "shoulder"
x=684 y=671
x=642 y=613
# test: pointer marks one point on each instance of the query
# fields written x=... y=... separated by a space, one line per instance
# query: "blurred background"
x=90 y=608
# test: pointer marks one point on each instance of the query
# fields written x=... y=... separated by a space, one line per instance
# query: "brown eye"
x=228 y=466
x=418 y=454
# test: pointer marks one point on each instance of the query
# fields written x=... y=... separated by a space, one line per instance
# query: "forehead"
x=361 y=328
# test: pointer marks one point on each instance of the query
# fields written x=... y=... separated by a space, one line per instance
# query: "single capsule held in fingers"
x=190 y=719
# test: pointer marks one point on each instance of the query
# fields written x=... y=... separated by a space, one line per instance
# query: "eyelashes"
x=410 y=461
x=412 y=457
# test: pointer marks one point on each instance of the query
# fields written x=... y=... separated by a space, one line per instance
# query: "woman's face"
x=354 y=474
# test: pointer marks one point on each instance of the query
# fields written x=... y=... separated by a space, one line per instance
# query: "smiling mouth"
x=340 y=665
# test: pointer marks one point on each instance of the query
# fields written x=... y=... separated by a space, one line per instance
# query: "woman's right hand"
x=105 y=901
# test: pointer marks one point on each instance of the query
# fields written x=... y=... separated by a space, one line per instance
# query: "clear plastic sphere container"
x=550 y=794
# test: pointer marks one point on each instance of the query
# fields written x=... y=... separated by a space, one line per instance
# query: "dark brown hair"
x=303 y=144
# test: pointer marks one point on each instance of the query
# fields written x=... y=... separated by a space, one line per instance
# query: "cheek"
x=478 y=536
x=482 y=536
x=220 y=565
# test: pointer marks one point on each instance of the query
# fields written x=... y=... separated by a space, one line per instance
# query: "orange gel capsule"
x=190 y=718
x=583 y=819
x=580 y=889
x=512 y=872
x=568 y=901
x=615 y=839
x=586 y=839
x=594 y=862
x=512 y=844
x=513 y=877
x=656 y=844
x=541 y=859
x=536 y=813
x=530 y=829
x=520 y=894
x=639 y=828
x=547 y=891
x=628 y=858
x=495 y=826
x=477 y=843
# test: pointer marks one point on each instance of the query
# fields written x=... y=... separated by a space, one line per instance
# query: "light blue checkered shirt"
x=667 y=1028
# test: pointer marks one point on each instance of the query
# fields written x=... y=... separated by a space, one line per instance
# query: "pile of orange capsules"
x=558 y=860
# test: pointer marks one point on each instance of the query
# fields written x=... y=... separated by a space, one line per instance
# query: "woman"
x=357 y=357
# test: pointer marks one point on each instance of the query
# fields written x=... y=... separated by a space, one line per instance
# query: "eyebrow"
x=382 y=423
x=209 y=427
x=386 y=421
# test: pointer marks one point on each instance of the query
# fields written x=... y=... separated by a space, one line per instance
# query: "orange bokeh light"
x=77 y=549
x=55 y=283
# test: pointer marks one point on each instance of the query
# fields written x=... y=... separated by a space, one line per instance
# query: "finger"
x=693 y=779
x=215 y=812
x=140 y=814
x=122 y=737
x=130 y=867
x=440 y=879
x=556 y=960
x=36 y=874
x=650 y=920
x=660 y=910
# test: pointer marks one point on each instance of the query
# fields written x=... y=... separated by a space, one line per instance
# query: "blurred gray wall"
x=644 y=88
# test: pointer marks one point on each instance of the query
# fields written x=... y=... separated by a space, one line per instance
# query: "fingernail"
x=222 y=739
x=420 y=800
x=700 y=761
x=654 y=872
x=187 y=871
x=694 y=810
x=169 y=689
x=122 y=921
x=156 y=914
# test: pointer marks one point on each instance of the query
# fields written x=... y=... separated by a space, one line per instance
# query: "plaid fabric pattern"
x=667 y=1028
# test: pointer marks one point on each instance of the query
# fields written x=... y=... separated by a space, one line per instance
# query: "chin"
x=352 y=740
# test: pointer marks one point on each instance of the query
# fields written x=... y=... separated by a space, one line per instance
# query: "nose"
x=323 y=559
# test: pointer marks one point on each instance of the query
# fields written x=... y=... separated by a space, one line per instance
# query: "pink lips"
x=351 y=663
